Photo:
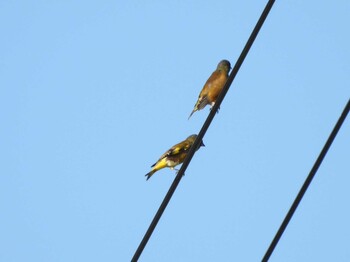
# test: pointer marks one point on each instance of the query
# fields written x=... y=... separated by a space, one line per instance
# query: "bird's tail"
x=194 y=110
x=149 y=174
x=201 y=103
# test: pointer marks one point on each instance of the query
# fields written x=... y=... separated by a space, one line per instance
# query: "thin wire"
x=203 y=130
x=307 y=182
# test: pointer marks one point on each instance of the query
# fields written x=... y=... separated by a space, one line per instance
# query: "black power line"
x=203 y=130
x=307 y=183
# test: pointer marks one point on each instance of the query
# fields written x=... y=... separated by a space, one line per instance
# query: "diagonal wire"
x=203 y=130
x=306 y=183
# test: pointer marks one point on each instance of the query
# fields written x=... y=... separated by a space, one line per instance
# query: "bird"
x=174 y=156
x=213 y=86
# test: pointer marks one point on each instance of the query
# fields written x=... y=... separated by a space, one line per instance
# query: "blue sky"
x=93 y=92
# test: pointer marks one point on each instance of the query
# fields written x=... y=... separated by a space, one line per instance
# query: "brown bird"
x=174 y=156
x=213 y=86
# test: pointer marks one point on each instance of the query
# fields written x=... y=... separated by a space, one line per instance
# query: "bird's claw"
x=217 y=111
x=178 y=170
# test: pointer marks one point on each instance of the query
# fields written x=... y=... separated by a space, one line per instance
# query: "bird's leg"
x=177 y=171
x=212 y=105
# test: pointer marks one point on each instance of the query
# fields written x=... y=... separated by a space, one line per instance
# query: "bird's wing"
x=202 y=102
x=177 y=149
x=211 y=80
x=203 y=96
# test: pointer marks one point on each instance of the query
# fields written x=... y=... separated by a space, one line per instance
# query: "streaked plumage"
x=213 y=86
x=174 y=156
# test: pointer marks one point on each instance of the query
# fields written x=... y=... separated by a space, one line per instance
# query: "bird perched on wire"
x=213 y=86
x=174 y=156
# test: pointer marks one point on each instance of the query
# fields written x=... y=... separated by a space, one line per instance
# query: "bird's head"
x=192 y=138
x=224 y=65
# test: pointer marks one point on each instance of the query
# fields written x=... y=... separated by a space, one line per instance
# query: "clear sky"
x=93 y=92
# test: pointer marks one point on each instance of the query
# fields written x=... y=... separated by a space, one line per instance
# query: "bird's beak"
x=202 y=144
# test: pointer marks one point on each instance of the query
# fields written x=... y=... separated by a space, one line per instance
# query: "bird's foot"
x=178 y=170
x=216 y=111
